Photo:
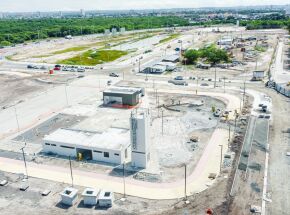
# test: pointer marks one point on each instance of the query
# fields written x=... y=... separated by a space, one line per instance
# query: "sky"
x=64 y=5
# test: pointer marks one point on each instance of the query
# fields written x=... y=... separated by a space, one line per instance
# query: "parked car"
x=178 y=78
x=204 y=85
x=81 y=70
x=43 y=68
x=57 y=68
x=29 y=66
x=112 y=74
x=178 y=82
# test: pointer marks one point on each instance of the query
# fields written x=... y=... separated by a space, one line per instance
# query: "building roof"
x=112 y=139
x=171 y=58
x=167 y=64
x=123 y=90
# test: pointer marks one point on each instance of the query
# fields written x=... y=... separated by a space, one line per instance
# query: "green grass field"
x=92 y=57
x=170 y=37
x=72 y=49
x=260 y=48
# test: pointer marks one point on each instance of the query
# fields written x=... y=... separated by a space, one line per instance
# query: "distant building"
x=258 y=75
x=107 y=32
x=154 y=69
x=228 y=41
x=122 y=30
x=83 y=13
x=114 y=31
x=122 y=96
x=171 y=58
x=287 y=10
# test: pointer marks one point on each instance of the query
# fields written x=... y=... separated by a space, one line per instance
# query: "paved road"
x=279 y=172
x=280 y=75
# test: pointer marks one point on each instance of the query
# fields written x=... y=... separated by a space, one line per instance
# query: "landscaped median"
x=94 y=57
x=170 y=37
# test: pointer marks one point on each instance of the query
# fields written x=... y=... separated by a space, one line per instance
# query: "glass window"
x=106 y=154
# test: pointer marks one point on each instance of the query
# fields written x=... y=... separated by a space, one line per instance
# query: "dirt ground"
x=32 y=202
x=16 y=86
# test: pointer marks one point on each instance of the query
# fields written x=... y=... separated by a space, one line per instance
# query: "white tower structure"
x=140 y=138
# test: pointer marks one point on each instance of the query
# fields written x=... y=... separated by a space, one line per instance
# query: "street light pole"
x=214 y=76
x=71 y=174
x=221 y=158
x=162 y=120
x=185 y=193
x=23 y=154
x=66 y=97
x=229 y=135
x=16 y=118
x=124 y=196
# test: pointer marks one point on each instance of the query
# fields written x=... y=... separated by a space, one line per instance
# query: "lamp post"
x=221 y=160
x=16 y=116
x=24 y=160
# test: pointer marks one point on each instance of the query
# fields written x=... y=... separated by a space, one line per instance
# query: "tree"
x=192 y=56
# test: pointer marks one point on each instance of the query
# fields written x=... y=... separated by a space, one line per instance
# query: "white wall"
x=115 y=159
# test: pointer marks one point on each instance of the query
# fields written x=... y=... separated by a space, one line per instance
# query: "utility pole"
x=66 y=94
x=196 y=85
x=229 y=135
x=224 y=84
x=221 y=158
x=124 y=196
x=16 y=116
x=139 y=65
x=244 y=93
x=23 y=154
x=214 y=76
x=185 y=193
x=162 y=120
x=71 y=174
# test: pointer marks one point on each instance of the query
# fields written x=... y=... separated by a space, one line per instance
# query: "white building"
x=140 y=138
x=227 y=40
x=122 y=30
x=114 y=31
x=83 y=13
x=112 y=146
x=107 y=32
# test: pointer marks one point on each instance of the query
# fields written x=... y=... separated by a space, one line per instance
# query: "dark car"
x=29 y=66
x=112 y=74
x=178 y=78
